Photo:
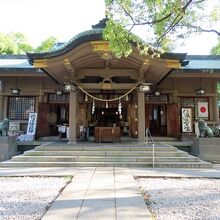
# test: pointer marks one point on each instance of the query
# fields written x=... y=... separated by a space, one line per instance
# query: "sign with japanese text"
x=14 y=126
x=186 y=120
x=32 y=124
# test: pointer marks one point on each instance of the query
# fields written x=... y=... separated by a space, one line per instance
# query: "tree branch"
x=156 y=20
x=200 y=29
x=126 y=12
x=175 y=22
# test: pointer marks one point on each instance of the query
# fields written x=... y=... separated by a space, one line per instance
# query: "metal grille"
x=160 y=98
x=20 y=107
x=53 y=98
x=193 y=103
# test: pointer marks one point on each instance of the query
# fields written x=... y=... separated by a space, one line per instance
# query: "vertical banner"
x=203 y=110
x=186 y=120
x=32 y=124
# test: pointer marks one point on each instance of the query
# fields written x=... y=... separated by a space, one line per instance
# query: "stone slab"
x=102 y=193
x=8 y=147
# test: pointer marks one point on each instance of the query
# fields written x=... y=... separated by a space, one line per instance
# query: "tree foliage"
x=216 y=49
x=162 y=22
x=17 y=43
x=47 y=44
x=14 y=43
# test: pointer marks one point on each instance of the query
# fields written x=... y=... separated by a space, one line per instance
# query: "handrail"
x=152 y=141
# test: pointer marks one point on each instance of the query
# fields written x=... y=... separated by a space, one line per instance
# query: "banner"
x=32 y=124
x=203 y=110
x=14 y=126
x=186 y=120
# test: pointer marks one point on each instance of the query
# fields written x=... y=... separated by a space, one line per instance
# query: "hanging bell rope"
x=108 y=100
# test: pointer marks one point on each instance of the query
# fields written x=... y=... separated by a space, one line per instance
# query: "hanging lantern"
x=144 y=87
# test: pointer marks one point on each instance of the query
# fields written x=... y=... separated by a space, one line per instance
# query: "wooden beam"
x=68 y=66
x=102 y=46
x=53 y=76
x=107 y=72
x=40 y=63
x=70 y=69
x=143 y=69
x=99 y=86
x=173 y=64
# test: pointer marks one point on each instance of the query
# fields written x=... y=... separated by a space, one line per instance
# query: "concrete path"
x=103 y=193
x=166 y=172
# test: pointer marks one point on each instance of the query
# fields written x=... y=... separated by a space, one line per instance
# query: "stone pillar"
x=1 y=101
x=141 y=117
x=72 y=117
x=1 y=106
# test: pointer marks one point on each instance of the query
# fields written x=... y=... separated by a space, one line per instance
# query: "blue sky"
x=39 y=19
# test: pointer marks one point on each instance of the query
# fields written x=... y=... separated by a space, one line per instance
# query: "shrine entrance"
x=87 y=66
x=156 y=119
x=110 y=117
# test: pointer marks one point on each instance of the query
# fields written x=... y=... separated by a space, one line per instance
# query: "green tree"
x=216 y=49
x=163 y=23
x=14 y=43
x=47 y=44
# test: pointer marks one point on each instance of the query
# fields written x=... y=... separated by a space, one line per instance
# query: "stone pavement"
x=101 y=193
x=104 y=192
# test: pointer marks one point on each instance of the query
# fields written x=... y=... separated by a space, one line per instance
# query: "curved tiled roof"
x=12 y=63
x=91 y=35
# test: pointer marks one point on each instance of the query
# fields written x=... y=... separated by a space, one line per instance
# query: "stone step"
x=101 y=155
x=179 y=144
x=104 y=153
x=101 y=159
x=164 y=139
x=201 y=164
x=102 y=148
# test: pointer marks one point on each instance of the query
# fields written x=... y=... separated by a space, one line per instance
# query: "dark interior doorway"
x=58 y=115
x=108 y=117
x=156 y=119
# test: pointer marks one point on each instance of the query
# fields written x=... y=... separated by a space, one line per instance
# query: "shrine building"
x=82 y=85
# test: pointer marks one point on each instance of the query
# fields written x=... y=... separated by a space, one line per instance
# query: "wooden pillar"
x=5 y=106
x=141 y=117
x=72 y=116
x=215 y=109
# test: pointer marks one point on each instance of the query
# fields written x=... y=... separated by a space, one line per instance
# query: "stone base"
x=71 y=142
x=8 y=148
x=207 y=149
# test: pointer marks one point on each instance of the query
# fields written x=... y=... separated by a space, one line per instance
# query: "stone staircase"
x=105 y=155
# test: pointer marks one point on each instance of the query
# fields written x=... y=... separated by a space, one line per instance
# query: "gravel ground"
x=182 y=198
x=26 y=198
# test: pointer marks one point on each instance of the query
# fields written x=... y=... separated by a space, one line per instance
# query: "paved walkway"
x=103 y=193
